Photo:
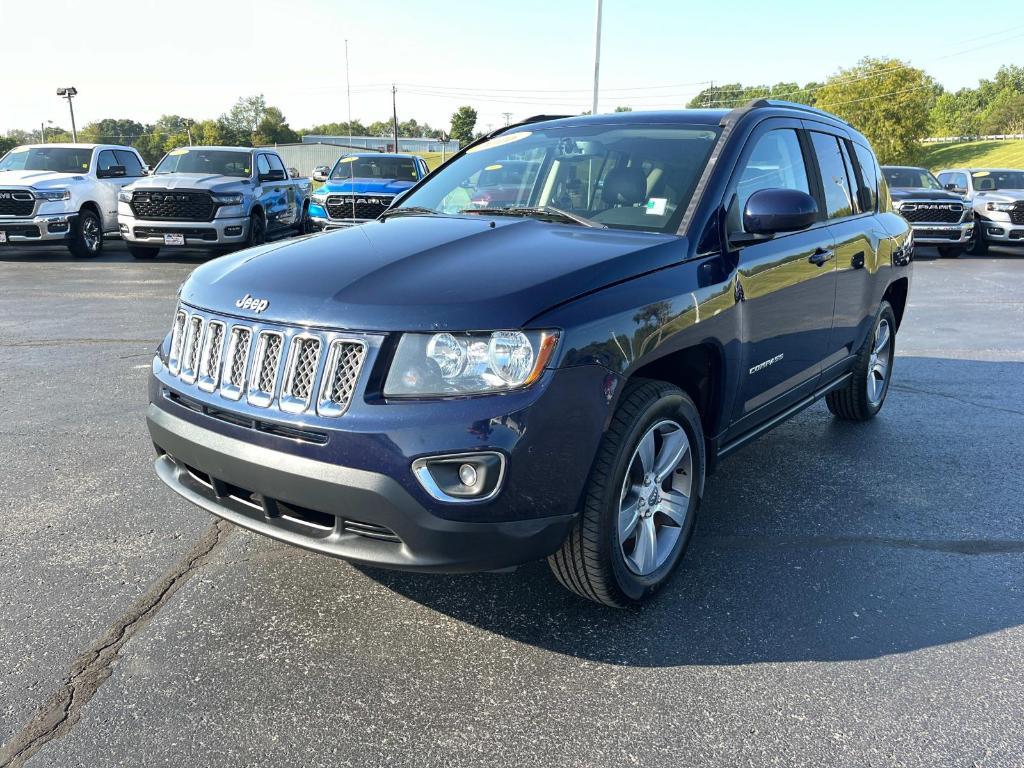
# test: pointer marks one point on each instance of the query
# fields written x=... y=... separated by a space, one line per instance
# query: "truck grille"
x=1017 y=214
x=294 y=370
x=16 y=202
x=366 y=206
x=167 y=205
x=932 y=213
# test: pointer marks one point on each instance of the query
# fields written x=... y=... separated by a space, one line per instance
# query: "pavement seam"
x=915 y=390
x=93 y=666
x=951 y=546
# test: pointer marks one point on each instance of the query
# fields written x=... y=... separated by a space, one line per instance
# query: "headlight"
x=1004 y=207
x=228 y=199
x=125 y=196
x=52 y=195
x=468 y=363
x=316 y=197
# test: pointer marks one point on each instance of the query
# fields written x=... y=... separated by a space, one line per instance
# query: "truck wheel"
x=978 y=246
x=305 y=225
x=143 y=251
x=950 y=252
x=640 y=502
x=863 y=395
x=257 y=229
x=86 y=236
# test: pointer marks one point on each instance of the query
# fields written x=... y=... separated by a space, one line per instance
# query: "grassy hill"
x=976 y=154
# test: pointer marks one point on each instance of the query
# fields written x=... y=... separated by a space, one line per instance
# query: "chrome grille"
x=300 y=373
x=16 y=202
x=209 y=360
x=190 y=355
x=344 y=361
x=265 y=363
x=291 y=369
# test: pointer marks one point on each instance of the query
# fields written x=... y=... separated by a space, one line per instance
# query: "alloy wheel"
x=91 y=233
x=879 y=362
x=654 y=503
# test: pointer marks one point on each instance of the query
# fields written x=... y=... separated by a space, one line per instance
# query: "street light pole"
x=348 y=94
x=597 y=57
x=394 y=114
x=69 y=93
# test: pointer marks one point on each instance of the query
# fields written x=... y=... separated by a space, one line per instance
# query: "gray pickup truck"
x=218 y=198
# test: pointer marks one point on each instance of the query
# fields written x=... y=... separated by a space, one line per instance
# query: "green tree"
x=338 y=129
x=956 y=114
x=463 y=124
x=1005 y=113
x=244 y=118
x=274 y=129
x=112 y=131
x=887 y=100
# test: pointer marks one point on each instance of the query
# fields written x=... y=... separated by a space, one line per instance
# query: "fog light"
x=232 y=231
x=995 y=231
x=461 y=477
x=123 y=228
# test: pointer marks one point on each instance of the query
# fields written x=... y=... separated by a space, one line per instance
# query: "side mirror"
x=321 y=173
x=274 y=174
x=147 y=170
x=112 y=172
x=773 y=211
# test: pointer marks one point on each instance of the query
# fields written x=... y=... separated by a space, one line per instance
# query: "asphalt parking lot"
x=854 y=595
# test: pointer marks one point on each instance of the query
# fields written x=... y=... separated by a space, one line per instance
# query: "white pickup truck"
x=64 y=193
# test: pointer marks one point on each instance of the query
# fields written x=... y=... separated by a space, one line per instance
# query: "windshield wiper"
x=412 y=210
x=539 y=211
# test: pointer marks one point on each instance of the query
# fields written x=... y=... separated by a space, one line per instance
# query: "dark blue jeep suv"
x=475 y=380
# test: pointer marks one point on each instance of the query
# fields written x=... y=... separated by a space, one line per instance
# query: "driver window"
x=262 y=166
x=776 y=162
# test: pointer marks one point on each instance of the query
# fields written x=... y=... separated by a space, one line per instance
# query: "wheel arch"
x=896 y=295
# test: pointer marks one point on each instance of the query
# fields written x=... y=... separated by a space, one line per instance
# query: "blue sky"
x=140 y=59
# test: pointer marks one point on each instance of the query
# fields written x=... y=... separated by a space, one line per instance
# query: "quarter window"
x=858 y=193
x=776 y=162
x=869 y=175
x=834 y=178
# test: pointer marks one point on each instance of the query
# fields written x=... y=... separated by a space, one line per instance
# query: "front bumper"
x=46 y=229
x=318 y=215
x=198 y=234
x=943 y=234
x=1002 y=231
x=358 y=515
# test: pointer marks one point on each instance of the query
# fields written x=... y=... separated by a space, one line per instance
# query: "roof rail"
x=754 y=103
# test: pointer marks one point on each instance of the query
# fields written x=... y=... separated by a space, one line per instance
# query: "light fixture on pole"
x=70 y=93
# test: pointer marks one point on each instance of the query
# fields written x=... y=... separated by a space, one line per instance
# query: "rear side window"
x=834 y=177
x=869 y=174
x=776 y=162
x=132 y=166
x=851 y=174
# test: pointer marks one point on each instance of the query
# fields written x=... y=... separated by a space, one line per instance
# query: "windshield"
x=213 y=162
x=986 y=181
x=55 y=159
x=624 y=176
x=912 y=178
x=389 y=168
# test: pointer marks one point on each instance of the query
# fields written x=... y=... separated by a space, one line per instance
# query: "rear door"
x=786 y=287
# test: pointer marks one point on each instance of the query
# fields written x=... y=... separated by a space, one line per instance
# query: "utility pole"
x=42 y=133
x=348 y=94
x=597 y=56
x=69 y=93
x=707 y=97
x=394 y=114
x=508 y=116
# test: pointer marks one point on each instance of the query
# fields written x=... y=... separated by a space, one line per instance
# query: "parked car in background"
x=64 y=193
x=939 y=217
x=458 y=389
x=997 y=196
x=217 y=198
x=362 y=186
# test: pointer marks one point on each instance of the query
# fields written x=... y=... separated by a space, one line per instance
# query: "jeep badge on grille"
x=248 y=302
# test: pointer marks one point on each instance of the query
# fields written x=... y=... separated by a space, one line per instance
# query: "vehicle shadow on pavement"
x=823 y=541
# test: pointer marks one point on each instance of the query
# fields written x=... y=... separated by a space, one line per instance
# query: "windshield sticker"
x=19 y=150
x=498 y=141
x=979 y=174
x=174 y=152
x=656 y=206
x=495 y=167
x=348 y=159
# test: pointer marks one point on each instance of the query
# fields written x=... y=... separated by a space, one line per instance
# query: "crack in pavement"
x=915 y=390
x=953 y=546
x=61 y=342
x=92 y=667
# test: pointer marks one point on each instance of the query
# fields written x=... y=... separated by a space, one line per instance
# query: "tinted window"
x=106 y=160
x=398 y=168
x=132 y=166
x=836 y=185
x=869 y=173
x=776 y=162
x=911 y=178
x=991 y=180
x=262 y=165
x=276 y=164
x=858 y=195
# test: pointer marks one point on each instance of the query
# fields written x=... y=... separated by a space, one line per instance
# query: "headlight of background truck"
x=124 y=196
x=52 y=195
x=442 y=364
x=1004 y=207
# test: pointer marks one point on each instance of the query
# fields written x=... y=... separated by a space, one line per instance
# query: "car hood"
x=213 y=183
x=428 y=273
x=915 y=193
x=1001 y=196
x=37 y=178
x=366 y=186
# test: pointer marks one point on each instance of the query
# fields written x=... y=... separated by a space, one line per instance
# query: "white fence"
x=962 y=139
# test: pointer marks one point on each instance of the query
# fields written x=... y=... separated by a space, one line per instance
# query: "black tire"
x=257 y=229
x=950 y=252
x=305 y=224
x=978 y=245
x=145 y=252
x=86 y=235
x=852 y=401
x=592 y=562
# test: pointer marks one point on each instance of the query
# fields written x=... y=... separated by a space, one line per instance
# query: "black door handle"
x=821 y=255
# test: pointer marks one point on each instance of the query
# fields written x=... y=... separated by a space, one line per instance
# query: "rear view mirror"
x=773 y=211
x=321 y=172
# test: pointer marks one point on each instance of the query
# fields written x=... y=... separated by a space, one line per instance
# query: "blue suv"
x=548 y=370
